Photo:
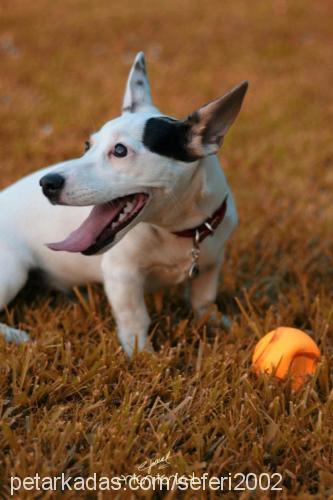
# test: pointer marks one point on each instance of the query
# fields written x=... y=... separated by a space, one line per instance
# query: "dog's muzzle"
x=52 y=185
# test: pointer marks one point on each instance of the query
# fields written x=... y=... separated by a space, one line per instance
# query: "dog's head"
x=137 y=164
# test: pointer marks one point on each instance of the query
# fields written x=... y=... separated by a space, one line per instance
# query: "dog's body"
x=164 y=189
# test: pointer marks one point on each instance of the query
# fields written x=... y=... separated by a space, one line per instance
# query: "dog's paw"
x=211 y=316
x=13 y=334
x=132 y=348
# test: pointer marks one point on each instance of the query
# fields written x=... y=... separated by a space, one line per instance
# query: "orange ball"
x=286 y=349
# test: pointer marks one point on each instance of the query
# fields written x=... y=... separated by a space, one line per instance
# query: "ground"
x=70 y=400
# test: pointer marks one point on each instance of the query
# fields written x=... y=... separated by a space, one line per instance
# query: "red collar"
x=208 y=227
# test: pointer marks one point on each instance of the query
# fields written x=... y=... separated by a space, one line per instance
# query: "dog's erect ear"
x=137 y=94
x=209 y=124
x=200 y=134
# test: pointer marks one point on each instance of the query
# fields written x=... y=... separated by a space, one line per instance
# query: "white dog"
x=151 y=178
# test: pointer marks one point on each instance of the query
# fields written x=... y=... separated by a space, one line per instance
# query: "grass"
x=70 y=401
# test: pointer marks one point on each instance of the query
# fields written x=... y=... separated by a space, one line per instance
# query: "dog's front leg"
x=203 y=297
x=124 y=286
x=13 y=275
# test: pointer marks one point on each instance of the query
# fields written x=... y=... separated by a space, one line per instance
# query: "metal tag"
x=194 y=270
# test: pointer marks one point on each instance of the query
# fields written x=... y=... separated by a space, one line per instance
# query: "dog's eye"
x=119 y=150
x=86 y=146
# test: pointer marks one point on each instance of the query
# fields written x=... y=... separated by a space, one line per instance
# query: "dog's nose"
x=52 y=184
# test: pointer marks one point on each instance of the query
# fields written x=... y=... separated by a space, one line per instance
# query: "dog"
x=146 y=206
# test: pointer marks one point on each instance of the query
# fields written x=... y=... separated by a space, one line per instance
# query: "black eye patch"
x=168 y=137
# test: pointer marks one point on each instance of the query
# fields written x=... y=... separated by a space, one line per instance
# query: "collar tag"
x=194 y=270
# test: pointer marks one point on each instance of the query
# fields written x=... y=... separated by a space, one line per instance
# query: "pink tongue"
x=83 y=237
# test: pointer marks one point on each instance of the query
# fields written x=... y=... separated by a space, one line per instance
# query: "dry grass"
x=71 y=401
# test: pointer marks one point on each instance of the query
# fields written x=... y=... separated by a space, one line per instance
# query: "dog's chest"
x=163 y=274
x=164 y=259
x=156 y=257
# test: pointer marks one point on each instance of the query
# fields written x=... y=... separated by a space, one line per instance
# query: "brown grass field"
x=70 y=401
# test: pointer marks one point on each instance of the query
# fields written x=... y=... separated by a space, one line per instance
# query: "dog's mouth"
x=103 y=223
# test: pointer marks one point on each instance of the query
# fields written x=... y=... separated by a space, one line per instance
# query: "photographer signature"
x=160 y=463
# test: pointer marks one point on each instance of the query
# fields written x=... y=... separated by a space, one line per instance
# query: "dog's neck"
x=202 y=196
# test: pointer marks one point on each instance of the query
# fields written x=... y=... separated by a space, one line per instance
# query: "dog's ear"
x=208 y=125
x=137 y=94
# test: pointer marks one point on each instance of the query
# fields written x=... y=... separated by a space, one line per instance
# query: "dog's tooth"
x=128 y=207
x=122 y=216
x=113 y=225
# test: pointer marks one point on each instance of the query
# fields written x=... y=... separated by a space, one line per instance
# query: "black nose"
x=52 y=184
